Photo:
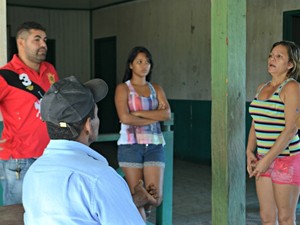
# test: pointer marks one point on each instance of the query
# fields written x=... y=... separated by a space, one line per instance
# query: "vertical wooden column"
x=165 y=211
x=3 y=33
x=228 y=68
x=3 y=40
x=3 y=57
x=3 y=45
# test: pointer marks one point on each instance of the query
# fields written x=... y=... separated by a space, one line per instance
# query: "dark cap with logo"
x=69 y=101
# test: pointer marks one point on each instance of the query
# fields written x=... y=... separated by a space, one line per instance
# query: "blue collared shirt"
x=73 y=184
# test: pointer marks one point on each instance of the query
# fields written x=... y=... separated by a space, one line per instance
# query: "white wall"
x=182 y=56
x=177 y=32
x=264 y=27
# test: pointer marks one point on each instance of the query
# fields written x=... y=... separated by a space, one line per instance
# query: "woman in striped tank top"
x=140 y=106
x=273 y=150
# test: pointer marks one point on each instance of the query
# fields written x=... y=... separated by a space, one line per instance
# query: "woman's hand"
x=261 y=166
x=251 y=162
x=162 y=105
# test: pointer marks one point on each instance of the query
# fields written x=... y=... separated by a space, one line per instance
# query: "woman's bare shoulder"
x=292 y=85
x=122 y=86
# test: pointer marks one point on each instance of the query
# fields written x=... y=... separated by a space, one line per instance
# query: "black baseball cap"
x=69 y=101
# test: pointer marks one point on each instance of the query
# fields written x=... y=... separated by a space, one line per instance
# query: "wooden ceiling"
x=67 y=4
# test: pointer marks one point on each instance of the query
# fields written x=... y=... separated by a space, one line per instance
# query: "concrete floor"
x=192 y=196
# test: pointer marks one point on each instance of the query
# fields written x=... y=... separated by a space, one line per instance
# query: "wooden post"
x=228 y=68
x=165 y=211
x=3 y=59
x=3 y=33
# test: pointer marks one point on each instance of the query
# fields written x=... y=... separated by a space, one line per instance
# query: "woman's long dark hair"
x=132 y=55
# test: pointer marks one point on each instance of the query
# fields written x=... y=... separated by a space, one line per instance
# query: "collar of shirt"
x=68 y=145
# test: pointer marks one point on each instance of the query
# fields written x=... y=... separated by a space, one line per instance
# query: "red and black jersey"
x=25 y=133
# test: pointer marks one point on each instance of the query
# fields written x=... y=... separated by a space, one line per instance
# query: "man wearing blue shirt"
x=71 y=183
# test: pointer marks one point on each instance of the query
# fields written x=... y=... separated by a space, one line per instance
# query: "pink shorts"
x=285 y=170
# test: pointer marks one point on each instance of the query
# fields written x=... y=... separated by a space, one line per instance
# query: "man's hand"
x=1 y=144
x=152 y=191
x=142 y=197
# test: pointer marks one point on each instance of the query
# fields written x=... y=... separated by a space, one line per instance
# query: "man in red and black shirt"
x=23 y=82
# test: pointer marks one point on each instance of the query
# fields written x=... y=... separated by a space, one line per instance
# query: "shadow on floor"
x=192 y=196
x=191 y=191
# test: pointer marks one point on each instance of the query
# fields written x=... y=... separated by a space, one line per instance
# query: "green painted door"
x=291 y=24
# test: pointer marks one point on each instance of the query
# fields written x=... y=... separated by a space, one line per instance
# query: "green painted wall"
x=192 y=122
x=192 y=129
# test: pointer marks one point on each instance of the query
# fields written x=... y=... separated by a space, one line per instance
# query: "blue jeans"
x=12 y=173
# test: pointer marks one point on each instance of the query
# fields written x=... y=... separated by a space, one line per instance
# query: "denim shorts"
x=141 y=155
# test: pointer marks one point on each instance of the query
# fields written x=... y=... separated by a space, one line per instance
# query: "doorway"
x=291 y=24
x=105 y=68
